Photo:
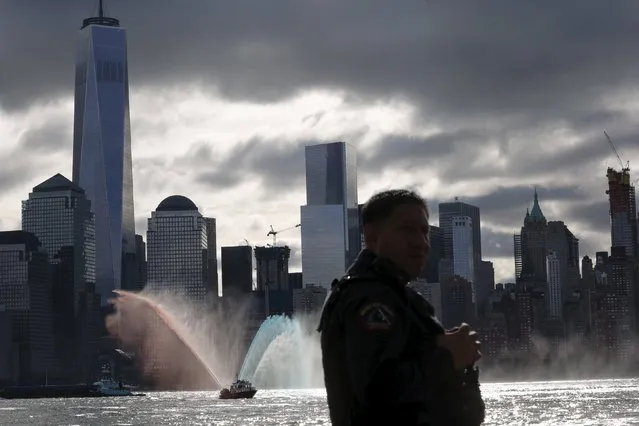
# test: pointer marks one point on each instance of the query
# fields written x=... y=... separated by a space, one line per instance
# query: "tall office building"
x=485 y=284
x=237 y=271
x=272 y=279
x=272 y=267
x=25 y=292
x=561 y=241
x=331 y=238
x=554 y=299
x=530 y=246
x=435 y=255
x=295 y=280
x=59 y=215
x=623 y=211
x=102 y=163
x=624 y=236
x=140 y=262
x=176 y=249
x=448 y=211
x=463 y=251
x=211 y=255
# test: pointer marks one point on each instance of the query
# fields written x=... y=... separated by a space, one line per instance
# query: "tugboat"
x=106 y=386
x=240 y=389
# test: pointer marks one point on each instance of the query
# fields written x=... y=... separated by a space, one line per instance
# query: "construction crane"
x=614 y=149
x=274 y=233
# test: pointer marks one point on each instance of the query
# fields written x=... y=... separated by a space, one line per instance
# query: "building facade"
x=448 y=211
x=309 y=300
x=553 y=294
x=431 y=291
x=464 y=250
x=237 y=271
x=331 y=237
x=624 y=235
x=102 y=163
x=211 y=255
x=177 y=249
x=59 y=215
x=140 y=262
x=25 y=292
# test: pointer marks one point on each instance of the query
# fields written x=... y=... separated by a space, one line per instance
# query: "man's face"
x=402 y=238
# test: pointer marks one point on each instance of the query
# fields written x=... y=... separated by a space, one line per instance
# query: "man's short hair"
x=381 y=205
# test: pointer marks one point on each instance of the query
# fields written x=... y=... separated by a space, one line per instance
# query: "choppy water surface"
x=596 y=402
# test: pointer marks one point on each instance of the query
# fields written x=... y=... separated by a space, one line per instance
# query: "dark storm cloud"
x=496 y=243
x=592 y=216
x=410 y=151
x=277 y=165
x=11 y=176
x=48 y=138
x=457 y=58
x=21 y=171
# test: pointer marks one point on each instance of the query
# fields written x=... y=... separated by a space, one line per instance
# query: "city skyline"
x=389 y=134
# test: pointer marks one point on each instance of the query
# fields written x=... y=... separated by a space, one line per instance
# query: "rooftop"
x=57 y=182
x=176 y=203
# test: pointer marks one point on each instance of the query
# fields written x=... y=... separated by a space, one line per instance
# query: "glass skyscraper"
x=177 y=255
x=59 y=215
x=25 y=293
x=447 y=211
x=102 y=147
x=330 y=219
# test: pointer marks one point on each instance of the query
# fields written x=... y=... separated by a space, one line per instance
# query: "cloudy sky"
x=480 y=99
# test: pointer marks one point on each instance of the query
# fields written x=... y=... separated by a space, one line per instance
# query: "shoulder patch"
x=376 y=317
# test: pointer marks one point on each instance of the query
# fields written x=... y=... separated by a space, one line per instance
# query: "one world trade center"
x=102 y=148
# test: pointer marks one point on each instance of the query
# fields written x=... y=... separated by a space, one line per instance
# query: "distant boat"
x=105 y=387
x=240 y=389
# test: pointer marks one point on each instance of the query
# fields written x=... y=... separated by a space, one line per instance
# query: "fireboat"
x=240 y=389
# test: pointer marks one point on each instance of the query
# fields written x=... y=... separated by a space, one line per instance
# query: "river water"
x=595 y=402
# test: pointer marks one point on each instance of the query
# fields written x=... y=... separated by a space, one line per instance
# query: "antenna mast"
x=101 y=19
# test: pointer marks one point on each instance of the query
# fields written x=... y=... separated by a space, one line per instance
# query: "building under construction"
x=623 y=211
x=615 y=301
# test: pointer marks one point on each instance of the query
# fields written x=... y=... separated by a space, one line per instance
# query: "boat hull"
x=55 y=391
x=248 y=394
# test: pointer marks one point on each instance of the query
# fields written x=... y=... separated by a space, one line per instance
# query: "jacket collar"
x=368 y=263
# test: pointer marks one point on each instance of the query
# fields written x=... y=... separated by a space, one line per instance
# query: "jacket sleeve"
x=376 y=332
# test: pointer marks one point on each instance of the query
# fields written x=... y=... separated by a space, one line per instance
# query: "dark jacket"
x=381 y=365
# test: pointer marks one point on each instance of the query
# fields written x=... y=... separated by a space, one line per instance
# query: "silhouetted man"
x=386 y=358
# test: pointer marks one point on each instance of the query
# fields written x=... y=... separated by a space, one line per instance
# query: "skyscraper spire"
x=101 y=19
x=536 y=213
